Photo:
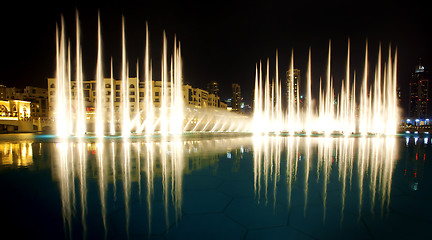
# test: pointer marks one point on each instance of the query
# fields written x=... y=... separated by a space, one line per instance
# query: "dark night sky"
x=221 y=41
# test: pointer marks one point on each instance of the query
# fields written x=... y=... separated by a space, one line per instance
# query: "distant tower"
x=295 y=80
x=399 y=95
x=213 y=88
x=419 y=94
x=236 y=97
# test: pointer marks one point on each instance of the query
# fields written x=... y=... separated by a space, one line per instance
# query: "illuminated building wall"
x=213 y=88
x=419 y=94
x=293 y=79
x=37 y=96
x=16 y=109
x=236 y=97
x=194 y=97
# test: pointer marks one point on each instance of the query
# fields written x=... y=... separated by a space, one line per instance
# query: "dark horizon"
x=222 y=41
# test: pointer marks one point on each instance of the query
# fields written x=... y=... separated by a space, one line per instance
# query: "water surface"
x=216 y=187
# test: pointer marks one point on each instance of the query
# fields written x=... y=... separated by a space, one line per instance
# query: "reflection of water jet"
x=371 y=167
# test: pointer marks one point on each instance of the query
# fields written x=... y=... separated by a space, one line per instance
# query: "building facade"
x=38 y=98
x=419 y=98
x=236 y=97
x=213 y=88
x=14 y=109
x=112 y=91
x=293 y=81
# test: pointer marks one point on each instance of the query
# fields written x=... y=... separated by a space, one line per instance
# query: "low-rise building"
x=38 y=98
x=14 y=109
x=112 y=91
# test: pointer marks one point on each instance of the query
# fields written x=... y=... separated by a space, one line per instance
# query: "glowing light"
x=376 y=114
x=131 y=107
x=372 y=165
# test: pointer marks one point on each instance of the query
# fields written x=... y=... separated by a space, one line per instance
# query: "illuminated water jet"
x=133 y=109
x=129 y=106
x=377 y=104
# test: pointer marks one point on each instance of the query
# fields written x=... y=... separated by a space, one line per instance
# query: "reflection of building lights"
x=407 y=132
x=415 y=132
x=20 y=154
x=408 y=120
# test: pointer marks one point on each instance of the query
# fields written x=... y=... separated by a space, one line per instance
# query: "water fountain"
x=216 y=186
x=373 y=111
x=377 y=107
x=70 y=106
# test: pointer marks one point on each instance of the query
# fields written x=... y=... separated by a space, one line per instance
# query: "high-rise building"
x=293 y=81
x=236 y=97
x=213 y=88
x=419 y=93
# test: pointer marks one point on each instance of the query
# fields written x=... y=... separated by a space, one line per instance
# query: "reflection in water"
x=81 y=169
x=19 y=154
x=65 y=170
x=147 y=160
x=102 y=180
x=370 y=168
x=337 y=172
x=415 y=161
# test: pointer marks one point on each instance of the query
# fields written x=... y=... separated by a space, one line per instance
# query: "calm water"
x=218 y=187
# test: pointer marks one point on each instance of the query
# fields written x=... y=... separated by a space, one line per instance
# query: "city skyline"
x=222 y=42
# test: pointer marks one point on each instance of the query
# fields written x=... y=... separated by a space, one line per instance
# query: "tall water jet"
x=164 y=95
x=329 y=99
x=112 y=107
x=334 y=114
x=267 y=98
x=393 y=119
x=278 y=100
x=149 y=128
x=125 y=87
x=291 y=125
x=256 y=112
x=100 y=110
x=347 y=109
x=136 y=108
x=177 y=108
x=364 y=110
x=71 y=99
x=68 y=90
x=80 y=112
x=308 y=122
x=61 y=107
